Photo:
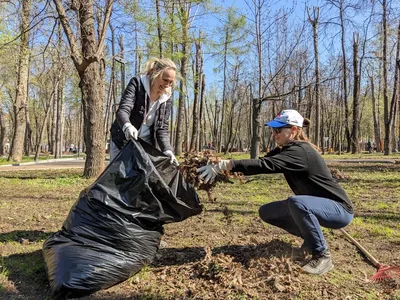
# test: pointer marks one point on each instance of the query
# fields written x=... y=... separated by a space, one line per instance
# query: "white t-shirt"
x=149 y=118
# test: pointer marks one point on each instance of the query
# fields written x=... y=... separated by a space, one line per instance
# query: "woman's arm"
x=127 y=102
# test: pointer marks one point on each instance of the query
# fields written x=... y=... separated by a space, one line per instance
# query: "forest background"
x=64 y=65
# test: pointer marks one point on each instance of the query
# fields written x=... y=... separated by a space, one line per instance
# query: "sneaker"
x=319 y=264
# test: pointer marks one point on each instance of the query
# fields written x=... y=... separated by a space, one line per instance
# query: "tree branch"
x=75 y=52
x=104 y=28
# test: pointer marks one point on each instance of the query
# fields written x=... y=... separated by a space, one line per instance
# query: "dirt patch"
x=227 y=252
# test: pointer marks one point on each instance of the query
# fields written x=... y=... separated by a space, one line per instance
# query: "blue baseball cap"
x=286 y=117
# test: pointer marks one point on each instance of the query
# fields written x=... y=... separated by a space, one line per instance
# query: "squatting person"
x=318 y=201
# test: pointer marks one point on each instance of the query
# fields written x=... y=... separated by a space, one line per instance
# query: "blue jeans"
x=304 y=215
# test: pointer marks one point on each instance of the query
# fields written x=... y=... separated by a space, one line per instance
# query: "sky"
x=298 y=13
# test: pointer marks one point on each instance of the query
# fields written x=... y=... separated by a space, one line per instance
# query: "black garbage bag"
x=115 y=226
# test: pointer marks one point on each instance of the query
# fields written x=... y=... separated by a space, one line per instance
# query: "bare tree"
x=395 y=96
x=386 y=113
x=375 y=115
x=88 y=61
x=3 y=135
x=317 y=130
x=159 y=32
x=47 y=107
x=22 y=86
x=184 y=14
x=196 y=101
x=355 y=148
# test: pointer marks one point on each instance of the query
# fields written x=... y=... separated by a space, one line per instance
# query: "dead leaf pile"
x=338 y=175
x=220 y=276
x=193 y=161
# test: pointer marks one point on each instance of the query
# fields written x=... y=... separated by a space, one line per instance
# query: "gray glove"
x=172 y=157
x=131 y=133
x=209 y=172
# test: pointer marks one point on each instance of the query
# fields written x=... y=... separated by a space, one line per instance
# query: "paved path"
x=42 y=165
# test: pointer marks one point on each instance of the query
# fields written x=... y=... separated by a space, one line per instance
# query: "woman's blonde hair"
x=155 y=67
x=301 y=135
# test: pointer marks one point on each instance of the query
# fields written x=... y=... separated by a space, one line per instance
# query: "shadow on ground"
x=24 y=236
x=241 y=253
x=27 y=271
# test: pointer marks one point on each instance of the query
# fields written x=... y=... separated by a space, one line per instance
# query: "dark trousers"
x=304 y=215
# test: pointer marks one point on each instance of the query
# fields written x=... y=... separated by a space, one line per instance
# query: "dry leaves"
x=338 y=175
x=193 y=161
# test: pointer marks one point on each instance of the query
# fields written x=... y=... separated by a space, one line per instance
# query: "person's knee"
x=296 y=203
x=265 y=213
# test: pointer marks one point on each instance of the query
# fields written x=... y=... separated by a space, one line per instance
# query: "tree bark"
x=256 y=137
x=386 y=115
x=355 y=136
x=317 y=130
x=3 y=136
x=202 y=136
x=395 y=96
x=344 y=71
x=183 y=15
x=197 y=76
x=221 y=124
x=22 y=86
x=89 y=63
x=46 y=115
x=159 y=32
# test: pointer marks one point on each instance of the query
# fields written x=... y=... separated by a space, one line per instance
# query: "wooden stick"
x=363 y=250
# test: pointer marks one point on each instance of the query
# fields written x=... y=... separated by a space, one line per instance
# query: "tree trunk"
x=197 y=75
x=53 y=144
x=395 y=96
x=159 y=32
x=22 y=85
x=60 y=121
x=386 y=116
x=46 y=114
x=317 y=129
x=109 y=111
x=28 y=133
x=344 y=71
x=202 y=136
x=355 y=136
x=215 y=122
x=3 y=136
x=256 y=137
x=89 y=63
x=221 y=124
x=92 y=99
x=375 y=116
x=182 y=96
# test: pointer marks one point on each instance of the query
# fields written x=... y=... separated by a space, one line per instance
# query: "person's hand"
x=209 y=172
x=172 y=157
x=131 y=133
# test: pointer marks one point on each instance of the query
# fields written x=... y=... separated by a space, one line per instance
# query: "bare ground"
x=227 y=252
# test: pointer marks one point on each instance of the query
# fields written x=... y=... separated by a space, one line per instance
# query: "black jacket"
x=133 y=107
x=304 y=169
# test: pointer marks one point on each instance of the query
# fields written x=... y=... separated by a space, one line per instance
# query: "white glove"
x=131 y=133
x=209 y=172
x=172 y=157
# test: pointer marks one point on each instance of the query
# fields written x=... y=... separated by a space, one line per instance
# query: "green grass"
x=34 y=204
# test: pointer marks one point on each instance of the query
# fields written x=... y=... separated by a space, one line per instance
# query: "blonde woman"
x=145 y=108
x=318 y=201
